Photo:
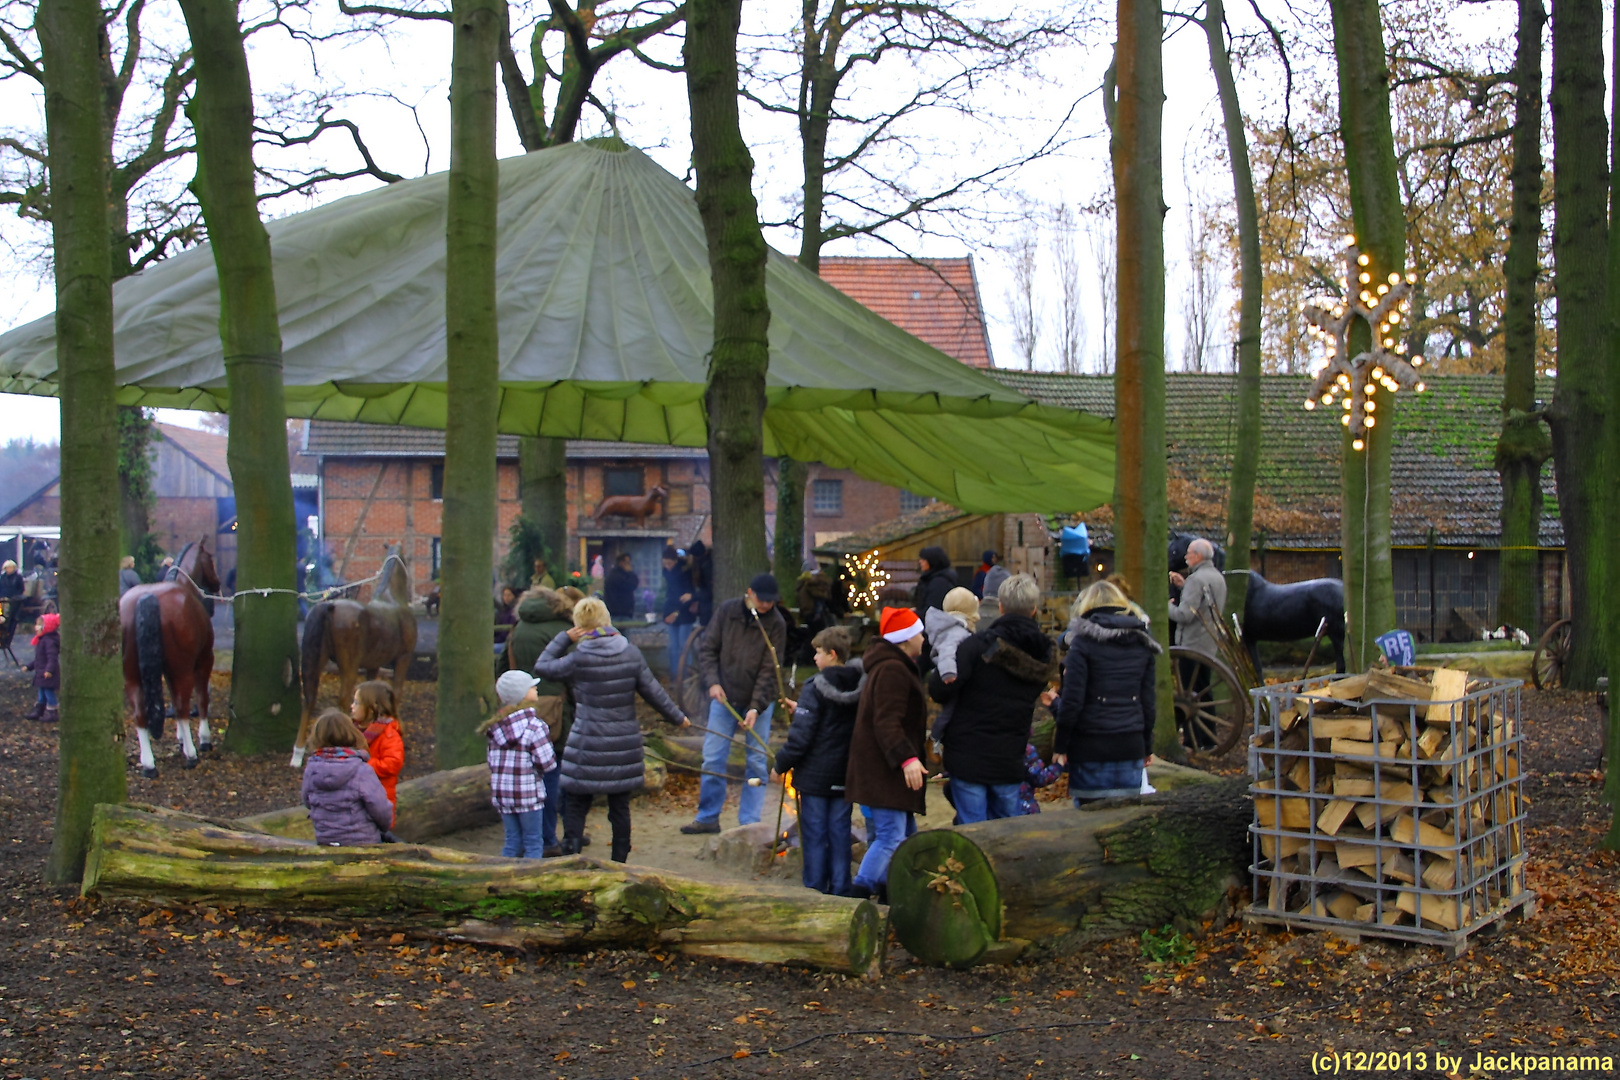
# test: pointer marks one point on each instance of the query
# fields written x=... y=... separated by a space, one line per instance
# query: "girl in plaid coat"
x=519 y=754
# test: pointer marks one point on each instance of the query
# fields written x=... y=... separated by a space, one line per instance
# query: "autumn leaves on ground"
x=139 y=992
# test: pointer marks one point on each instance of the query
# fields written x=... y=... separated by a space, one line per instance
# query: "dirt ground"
x=138 y=992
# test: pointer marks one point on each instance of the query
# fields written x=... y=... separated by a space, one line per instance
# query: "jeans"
x=824 y=842
x=47 y=695
x=1093 y=780
x=717 y=748
x=890 y=829
x=550 y=811
x=983 y=802
x=679 y=633
x=522 y=835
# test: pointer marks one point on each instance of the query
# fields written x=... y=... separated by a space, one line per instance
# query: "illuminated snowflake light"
x=864 y=578
x=1353 y=382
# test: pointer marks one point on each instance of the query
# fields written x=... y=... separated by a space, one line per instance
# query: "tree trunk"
x=1523 y=446
x=735 y=400
x=1580 y=261
x=166 y=857
x=467 y=621
x=264 y=668
x=1053 y=881
x=1380 y=225
x=1141 y=508
x=789 y=554
x=134 y=477
x=543 y=490
x=429 y=806
x=1611 y=775
x=90 y=764
x=1246 y=445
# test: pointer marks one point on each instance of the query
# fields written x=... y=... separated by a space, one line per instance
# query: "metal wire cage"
x=1380 y=814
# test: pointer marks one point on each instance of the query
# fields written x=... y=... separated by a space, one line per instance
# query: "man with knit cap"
x=738 y=655
x=886 y=772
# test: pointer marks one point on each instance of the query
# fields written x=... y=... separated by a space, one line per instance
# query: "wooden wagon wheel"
x=1211 y=716
x=690 y=693
x=1552 y=653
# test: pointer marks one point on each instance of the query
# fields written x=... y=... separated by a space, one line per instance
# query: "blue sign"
x=1398 y=647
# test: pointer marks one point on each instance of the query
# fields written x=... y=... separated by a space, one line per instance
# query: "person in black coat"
x=1106 y=711
x=619 y=590
x=817 y=751
x=1001 y=672
x=937 y=579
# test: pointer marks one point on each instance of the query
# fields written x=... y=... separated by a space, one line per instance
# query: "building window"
x=679 y=500
x=623 y=482
x=827 y=497
x=910 y=503
x=435 y=558
x=437 y=486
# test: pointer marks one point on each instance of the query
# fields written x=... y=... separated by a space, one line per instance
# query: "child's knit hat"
x=513 y=686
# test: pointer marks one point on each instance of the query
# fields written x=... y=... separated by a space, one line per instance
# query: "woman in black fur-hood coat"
x=1000 y=672
x=1106 y=712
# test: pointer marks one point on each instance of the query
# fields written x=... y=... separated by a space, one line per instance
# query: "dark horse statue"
x=1279 y=612
x=359 y=636
x=169 y=636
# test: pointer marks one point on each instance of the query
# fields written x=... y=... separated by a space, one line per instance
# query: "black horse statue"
x=1271 y=612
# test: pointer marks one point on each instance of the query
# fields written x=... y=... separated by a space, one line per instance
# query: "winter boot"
x=570 y=845
x=36 y=712
x=621 y=851
x=50 y=716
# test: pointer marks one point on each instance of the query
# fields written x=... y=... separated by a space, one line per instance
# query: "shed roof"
x=206 y=448
x=1443 y=471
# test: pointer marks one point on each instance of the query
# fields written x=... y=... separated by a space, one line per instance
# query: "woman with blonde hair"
x=604 y=754
x=1106 y=712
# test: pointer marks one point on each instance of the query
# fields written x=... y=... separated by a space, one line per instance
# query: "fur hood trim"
x=825 y=688
x=1126 y=630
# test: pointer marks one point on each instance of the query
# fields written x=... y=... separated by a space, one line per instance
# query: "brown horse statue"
x=358 y=636
x=169 y=636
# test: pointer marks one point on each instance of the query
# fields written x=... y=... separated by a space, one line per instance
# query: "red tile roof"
x=935 y=299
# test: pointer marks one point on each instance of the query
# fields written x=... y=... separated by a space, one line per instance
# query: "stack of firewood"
x=1390 y=799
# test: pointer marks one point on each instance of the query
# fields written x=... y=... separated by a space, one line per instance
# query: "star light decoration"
x=864 y=578
x=1354 y=381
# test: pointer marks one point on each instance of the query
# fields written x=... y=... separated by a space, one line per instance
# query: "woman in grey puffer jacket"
x=604 y=754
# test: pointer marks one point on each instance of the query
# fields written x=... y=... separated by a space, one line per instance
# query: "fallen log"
x=430 y=806
x=997 y=890
x=165 y=857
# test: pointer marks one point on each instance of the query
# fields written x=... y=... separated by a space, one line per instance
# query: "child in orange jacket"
x=376 y=714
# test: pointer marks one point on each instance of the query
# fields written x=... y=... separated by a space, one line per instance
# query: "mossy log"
x=996 y=890
x=428 y=807
x=166 y=857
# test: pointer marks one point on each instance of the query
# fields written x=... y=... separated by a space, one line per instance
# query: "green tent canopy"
x=606 y=320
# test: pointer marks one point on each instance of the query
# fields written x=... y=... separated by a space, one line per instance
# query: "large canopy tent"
x=606 y=320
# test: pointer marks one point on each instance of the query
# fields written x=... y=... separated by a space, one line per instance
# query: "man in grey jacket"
x=738 y=656
x=1203 y=590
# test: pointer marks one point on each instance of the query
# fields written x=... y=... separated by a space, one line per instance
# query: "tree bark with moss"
x=1380 y=229
x=735 y=399
x=1523 y=446
x=1611 y=775
x=1580 y=403
x=264 y=665
x=1134 y=98
x=90 y=764
x=466 y=691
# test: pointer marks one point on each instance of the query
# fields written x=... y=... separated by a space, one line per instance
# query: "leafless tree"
x=1070 y=328
x=1023 y=299
x=1201 y=302
x=1100 y=241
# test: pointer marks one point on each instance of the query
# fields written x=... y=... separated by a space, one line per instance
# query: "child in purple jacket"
x=347 y=803
x=1038 y=775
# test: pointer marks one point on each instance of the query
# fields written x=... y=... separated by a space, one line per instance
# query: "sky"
x=398 y=87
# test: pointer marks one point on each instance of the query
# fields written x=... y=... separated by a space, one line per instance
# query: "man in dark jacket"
x=619 y=590
x=987 y=563
x=886 y=774
x=937 y=579
x=817 y=752
x=680 y=606
x=738 y=657
x=1000 y=673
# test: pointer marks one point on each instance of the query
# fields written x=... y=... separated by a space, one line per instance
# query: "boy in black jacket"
x=817 y=751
